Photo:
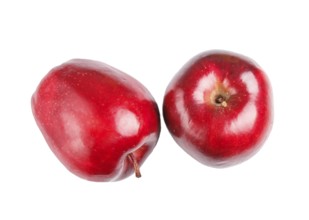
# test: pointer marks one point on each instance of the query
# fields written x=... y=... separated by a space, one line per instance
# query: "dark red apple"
x=218 y=108
x=101 y=123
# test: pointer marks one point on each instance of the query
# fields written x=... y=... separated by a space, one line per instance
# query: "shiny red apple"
x=101 y=123
x=218 y=108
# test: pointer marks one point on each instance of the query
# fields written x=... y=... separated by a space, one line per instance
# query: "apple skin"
x=218 y=108
x=100 y=122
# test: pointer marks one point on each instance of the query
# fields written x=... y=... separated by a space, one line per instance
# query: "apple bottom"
x=96 y=169
x=219 y=161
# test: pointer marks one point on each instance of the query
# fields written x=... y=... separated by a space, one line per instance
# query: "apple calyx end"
x=135 y=165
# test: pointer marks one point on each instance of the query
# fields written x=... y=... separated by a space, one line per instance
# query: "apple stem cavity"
x=135 y=165
x=220 y=100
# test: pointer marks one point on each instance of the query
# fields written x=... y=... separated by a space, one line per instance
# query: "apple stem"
x=135 y=165
x=224 y=103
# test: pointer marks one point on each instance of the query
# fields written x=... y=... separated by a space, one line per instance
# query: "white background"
x=151 y=40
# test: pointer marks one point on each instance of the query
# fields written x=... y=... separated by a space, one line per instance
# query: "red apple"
x=101 y=123
x=218 y=108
